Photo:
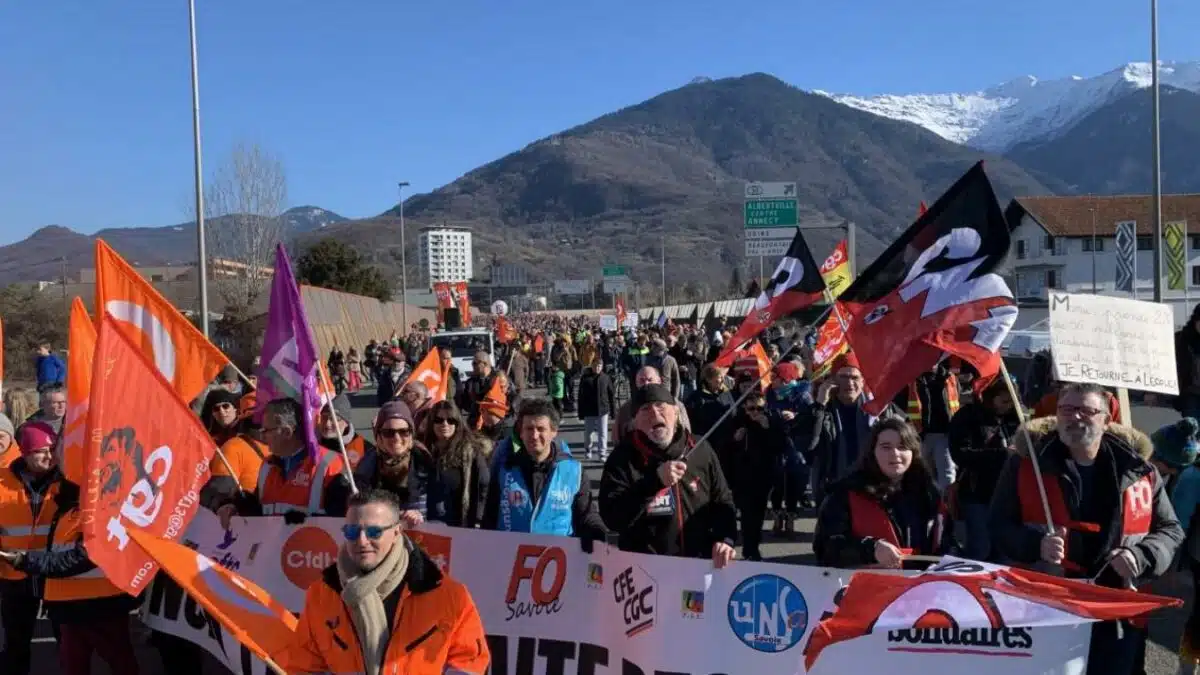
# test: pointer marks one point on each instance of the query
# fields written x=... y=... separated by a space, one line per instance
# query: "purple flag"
x=289 y=362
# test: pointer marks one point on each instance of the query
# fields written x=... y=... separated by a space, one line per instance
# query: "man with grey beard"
x=1113 y=521
x=662 y=492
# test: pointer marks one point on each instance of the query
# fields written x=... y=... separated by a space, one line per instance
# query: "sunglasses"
x=395 y=433
x=446 y=420
x=373 y=532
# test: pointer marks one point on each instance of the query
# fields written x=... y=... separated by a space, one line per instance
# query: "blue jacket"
x=553 y=512
x=50 y=370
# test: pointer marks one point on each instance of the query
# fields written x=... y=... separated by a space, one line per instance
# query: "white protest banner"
x=550 y=608
x=1114 y=342
x=608 y=322
x=631 y=320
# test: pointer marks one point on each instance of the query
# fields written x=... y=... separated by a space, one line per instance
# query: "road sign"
x=619 y=271
x=770 y=191
x=771 y=213
x=613 y=285
x=769 y=240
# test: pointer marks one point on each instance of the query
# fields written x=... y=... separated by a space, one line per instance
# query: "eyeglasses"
x=223 y=406
x=373 y=532
x=395 y=433
x=1073 y=410
x=446 y=420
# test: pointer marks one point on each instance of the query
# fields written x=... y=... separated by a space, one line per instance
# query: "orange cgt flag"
x=505 y=333
x=764 y=363
x=250 y=615
x=80 y=350
x=147 y=458
x=180 y=351
x=429 y=373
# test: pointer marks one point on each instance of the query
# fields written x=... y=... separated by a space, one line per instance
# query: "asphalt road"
x=1165 y=627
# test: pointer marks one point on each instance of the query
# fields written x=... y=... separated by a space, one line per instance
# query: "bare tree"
x=244 y=201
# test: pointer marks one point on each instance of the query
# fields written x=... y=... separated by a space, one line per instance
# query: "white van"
x=463 y=344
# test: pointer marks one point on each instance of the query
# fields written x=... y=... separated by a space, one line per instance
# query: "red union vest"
x=869 y=519
x=1137 y=508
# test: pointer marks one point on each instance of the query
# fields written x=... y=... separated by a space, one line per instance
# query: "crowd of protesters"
x=697 y=459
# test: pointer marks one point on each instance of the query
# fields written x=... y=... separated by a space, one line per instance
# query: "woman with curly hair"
x=886 y=508
x=461 y=458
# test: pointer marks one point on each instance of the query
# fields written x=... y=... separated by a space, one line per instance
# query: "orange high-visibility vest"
x=303 y=490
x=85 y=586
x=913 y=410
x=20 y=529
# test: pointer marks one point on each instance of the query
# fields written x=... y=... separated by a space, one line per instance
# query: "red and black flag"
x=796 y=284
x=937 y=290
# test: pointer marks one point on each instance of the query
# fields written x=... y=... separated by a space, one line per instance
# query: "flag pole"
x=1037 y=469
x=341 y=442
x=742 y=397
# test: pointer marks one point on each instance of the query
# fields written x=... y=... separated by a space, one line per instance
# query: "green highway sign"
x=615 y=271
x=771 y=213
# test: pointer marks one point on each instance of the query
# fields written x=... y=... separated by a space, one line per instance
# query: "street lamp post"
x=201 y=253
x=1156 y=141
x=403 y=264
x=1093 y=210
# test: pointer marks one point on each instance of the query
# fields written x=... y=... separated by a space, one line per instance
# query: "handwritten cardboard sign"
x=1115 y=342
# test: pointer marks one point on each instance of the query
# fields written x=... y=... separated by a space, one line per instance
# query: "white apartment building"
x=445 y=253
x=1069 y=244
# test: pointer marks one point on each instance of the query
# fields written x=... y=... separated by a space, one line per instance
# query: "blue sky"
x=95 y=114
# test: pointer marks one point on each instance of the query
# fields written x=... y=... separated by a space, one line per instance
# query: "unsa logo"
x=768 y=613
x=306 y=554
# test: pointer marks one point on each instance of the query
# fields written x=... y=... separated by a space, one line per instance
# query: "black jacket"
x=596 y=395
x=754 y=461
x=414 y=494
x=702 y=501
x=979 y=446
x=461 y=480
x=585 y=521
x=912 y=511
x=1123 y=460
x=704 y=408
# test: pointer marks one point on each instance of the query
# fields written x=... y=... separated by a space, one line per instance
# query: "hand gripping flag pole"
x=1037 y=469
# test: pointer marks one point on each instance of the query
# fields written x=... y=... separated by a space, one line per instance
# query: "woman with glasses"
x=758 y=442
x=398 y=464
x=461 y=457
x=888 y=507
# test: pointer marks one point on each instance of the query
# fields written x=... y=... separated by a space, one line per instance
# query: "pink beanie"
x=34 y=436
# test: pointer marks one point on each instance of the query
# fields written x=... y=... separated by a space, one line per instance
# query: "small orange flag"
x=251 y=616
x=764 y=363
x=180 y=351
x=81 y=348
x=505 y=333
x=429 y=372
x=147 y=459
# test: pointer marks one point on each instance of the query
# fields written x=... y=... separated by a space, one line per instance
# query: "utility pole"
x=663 y=268
x=201 y=253
x=1157 y=202
x=403 y=265
x=66 y=304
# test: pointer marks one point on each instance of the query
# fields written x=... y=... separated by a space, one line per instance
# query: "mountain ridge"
x=1021 y=110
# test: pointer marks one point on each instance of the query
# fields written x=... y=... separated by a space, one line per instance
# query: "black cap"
x=652 y=393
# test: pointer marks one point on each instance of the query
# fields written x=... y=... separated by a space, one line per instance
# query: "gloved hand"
x=295 y=517
x=587 y=544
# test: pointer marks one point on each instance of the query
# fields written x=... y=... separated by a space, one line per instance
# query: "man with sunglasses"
x=536 y=486
x=385 y=607
x=1113 y=521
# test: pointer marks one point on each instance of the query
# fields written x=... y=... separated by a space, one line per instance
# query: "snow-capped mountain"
x=308 y=218
x=1021 y=110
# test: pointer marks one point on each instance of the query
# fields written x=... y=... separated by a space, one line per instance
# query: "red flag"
x=620 y=313
x=505 y=333
x=148 y=457
x=796 y=284
x=937 y=290
x=963 y=596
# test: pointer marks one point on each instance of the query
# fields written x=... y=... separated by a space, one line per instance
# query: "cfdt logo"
x=595 y=575
x=538 y=576
x=768 y=613
x=306 y=554
x=692 y=605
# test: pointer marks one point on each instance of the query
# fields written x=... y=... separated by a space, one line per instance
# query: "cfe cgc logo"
x=305 y=554
x=539 y=574
x=636 y=594
x=768 y=613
